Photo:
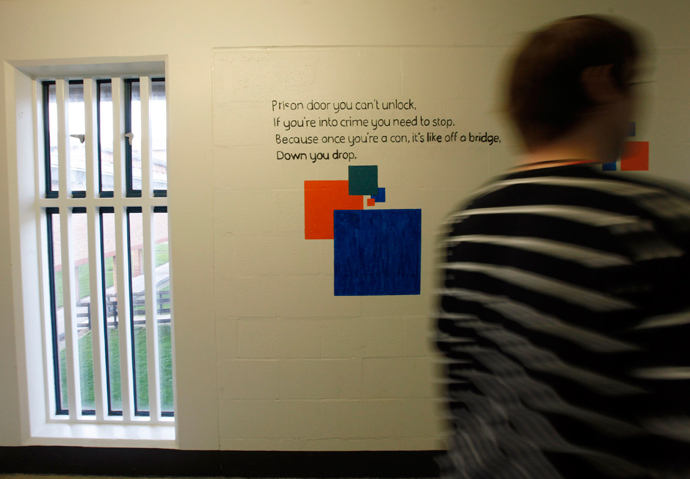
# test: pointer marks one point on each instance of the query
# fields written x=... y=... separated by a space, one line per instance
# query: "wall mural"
x=376 y=251
x=325 y=158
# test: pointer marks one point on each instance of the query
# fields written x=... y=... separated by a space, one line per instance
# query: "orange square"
x=635 y=156
x=321 y=198
x=371 y=201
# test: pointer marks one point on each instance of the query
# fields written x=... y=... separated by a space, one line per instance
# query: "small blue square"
x=609 y=166
x=377 y=252
x=380 y=197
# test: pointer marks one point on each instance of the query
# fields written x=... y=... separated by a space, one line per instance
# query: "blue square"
x=377 y=252
x=609 y=166
x=381 y=197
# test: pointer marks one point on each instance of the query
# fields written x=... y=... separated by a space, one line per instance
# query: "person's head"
x=547 y=94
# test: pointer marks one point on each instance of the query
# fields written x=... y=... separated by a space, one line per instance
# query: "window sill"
x=104 y=435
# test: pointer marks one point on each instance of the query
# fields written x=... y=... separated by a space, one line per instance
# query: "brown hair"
x=546 y=97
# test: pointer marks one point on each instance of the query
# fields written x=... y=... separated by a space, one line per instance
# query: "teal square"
x=363 y=180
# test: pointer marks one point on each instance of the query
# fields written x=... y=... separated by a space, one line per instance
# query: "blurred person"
x=565 y=290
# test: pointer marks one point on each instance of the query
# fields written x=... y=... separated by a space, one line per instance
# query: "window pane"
x=105 y=132
x=52 y=140
x=58 y=313
x=134 y=255
x=135 y=128
x=111 y=314
x=159 y=135
x=163 y=299
x=138 y=315
x=83 y=310
x=77 y=128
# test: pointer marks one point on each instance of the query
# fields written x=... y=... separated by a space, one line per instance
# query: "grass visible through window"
x=162 y=257
x=86 y=345
x=86 y=367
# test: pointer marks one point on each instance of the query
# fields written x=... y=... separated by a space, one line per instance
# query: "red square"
x=321 y=198
x=635 y=156
x=371 y=201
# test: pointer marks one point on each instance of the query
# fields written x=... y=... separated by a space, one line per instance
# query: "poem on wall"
x=315 y=130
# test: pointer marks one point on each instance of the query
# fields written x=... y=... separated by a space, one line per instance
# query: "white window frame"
x=40 y=424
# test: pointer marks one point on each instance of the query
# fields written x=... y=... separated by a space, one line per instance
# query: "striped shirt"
x=564 y=317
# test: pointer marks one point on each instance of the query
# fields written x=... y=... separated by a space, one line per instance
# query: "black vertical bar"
x=128 y=129
x=160 y=193
x=75 y=211
x=46 y=139
x=101 y=193
x=75 y=193
x=111 y=412
x=105 y=313
x=131 y=192
x=131 y=307
x=164 y=209
x=137 y=412
x=53 y=312
x=98 y=133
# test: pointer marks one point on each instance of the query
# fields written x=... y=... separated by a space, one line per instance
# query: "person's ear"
x=600 y=85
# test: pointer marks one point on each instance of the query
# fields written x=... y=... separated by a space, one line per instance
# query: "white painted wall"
x=217 y=395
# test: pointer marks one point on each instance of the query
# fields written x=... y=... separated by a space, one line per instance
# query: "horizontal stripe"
x=444 y=361
x=665 y=373
x=579 y=214
x=447 y=338
x=541 y=359
x=665 y=321
x=516 y=391
x=604 y=185
x=456 y=316
x=586 y=298
x=652 y=199
x=533 y=319
x=597 y=383
x=675 y=427
x=571 y=252
x=449 y=381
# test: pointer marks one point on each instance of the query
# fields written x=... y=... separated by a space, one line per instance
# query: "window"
x=101 y=191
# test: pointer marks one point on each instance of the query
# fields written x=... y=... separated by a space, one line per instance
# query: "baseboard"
x=170 y=462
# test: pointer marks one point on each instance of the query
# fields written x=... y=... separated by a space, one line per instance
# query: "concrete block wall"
x=354 y=371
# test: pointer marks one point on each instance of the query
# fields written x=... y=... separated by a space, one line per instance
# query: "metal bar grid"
x=91 y=203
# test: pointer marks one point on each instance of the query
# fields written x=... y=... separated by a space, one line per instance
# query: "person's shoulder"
x=581 y=190
x=663 y=197
x=657 y=184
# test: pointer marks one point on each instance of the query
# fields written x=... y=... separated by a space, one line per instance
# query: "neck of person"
x=586 y=144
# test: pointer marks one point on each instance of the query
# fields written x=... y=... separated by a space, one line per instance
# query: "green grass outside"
x=83 y=284
x=141 y=373
x=140 y=352
x=162 y=253
x=109 y=265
